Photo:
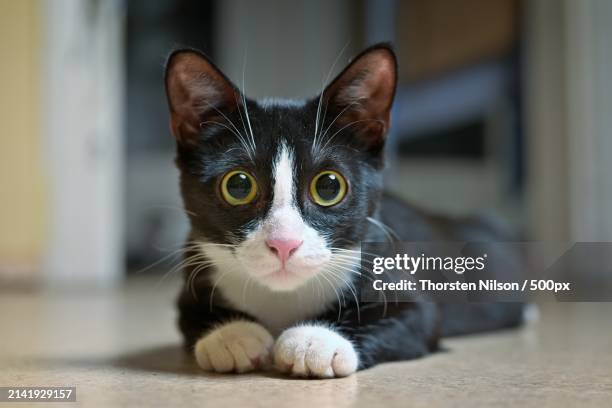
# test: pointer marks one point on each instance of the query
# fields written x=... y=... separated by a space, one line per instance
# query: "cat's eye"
x=238 y=187
x=328 y=188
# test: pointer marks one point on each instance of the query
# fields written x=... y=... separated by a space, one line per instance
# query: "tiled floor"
x=120 y=348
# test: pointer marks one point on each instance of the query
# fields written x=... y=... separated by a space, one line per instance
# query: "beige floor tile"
x=121 y=348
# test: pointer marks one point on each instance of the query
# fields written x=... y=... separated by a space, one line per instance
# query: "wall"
x=22 y=191
x=287 y=48
x=568 y=105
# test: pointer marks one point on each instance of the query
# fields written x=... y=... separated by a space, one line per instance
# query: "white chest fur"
x=279 y=310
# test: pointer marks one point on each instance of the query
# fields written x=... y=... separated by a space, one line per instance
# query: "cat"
x=279 y=194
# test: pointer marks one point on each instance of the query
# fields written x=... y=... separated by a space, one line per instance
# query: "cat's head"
x=279 y=190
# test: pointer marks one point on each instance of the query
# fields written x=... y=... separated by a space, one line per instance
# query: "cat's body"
x=280 y=194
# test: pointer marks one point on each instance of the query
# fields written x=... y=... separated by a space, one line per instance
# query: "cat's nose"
x=283 y=248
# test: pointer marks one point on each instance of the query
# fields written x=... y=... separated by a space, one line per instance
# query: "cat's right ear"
x=197 y=92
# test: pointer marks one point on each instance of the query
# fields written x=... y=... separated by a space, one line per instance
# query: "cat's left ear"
x=363 y=93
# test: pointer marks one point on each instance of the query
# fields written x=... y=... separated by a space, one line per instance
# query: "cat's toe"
x=314 y=351
x=239 y=346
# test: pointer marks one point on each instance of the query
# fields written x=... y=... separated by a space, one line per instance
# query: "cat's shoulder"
x=410 y=222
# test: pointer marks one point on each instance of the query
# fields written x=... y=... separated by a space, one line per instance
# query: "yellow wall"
x=22 y=196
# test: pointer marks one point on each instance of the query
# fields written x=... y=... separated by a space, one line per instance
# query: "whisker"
x=337 y=295
x=212 y=292
x=237 y=134
x=352 y=251
x=323 y=85
x=159 y=261
x=389 y=233
x=351 y=288
x=191 y=279
x=320 y=287
x=187 y=262
x=246 y=109
x=242 y=120
x=172 y=207
x=359 y=259
x=347 y=125
x=352 y=268
x=338 y=116
x=244 y=289
x=192 y=246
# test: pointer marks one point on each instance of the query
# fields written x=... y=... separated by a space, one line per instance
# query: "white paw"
x=314 y=351
x=239 y=346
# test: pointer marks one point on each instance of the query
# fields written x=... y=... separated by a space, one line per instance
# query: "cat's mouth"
x=284 y=278
x=281 y=280
x=279 y=274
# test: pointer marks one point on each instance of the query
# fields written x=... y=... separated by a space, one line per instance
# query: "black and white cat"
x=280 y=194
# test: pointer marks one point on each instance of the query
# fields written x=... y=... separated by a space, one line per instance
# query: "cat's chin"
x=283 y=280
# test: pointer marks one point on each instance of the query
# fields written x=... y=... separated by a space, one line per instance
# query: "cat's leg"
x=239 y=346
x=397 y=332
x=315 y=350
x=221 y=339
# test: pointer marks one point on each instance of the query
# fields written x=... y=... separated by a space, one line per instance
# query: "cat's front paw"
x=239 y=346
x=314 y=351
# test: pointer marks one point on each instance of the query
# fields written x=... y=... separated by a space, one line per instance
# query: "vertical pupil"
x=328 y=187
x=239 y=186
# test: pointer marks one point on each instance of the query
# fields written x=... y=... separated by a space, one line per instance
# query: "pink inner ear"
x=364 y=93
x=192 y=99
x=196 y=90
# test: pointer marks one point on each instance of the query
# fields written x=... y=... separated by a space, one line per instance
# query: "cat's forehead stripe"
x=284 y=180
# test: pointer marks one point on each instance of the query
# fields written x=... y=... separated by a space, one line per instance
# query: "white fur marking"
x=314 y=351
x=239 y=346
x=284 y=183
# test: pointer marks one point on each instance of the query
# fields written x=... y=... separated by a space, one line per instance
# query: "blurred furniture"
x=459 y=74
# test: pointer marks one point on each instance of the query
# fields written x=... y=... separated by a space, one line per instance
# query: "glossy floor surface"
x=120 y=348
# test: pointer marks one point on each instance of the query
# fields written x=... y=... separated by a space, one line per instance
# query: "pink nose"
x=283 y=248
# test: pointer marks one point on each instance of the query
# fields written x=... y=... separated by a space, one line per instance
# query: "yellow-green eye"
x=328 y=188
x=238 y=187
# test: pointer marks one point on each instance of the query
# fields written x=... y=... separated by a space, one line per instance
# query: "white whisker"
x=244 y=289
x=240 y=137
x=337 y=295
x=351 y=288
x=237 y=132
x=318 y=121
x=347 y=125
x=337 y=117
x=187 y=262
x=355 y=269
x=246 y=109
x=389 y=233
x=212 y=291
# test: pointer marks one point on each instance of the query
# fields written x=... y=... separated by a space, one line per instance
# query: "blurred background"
x=503 y=107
